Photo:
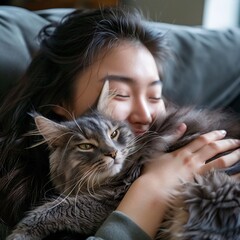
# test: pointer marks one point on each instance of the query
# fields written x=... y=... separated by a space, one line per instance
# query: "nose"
x=111 y=154
x=141 y=112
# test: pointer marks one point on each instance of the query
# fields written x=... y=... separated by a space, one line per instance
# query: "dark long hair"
x=66 y=49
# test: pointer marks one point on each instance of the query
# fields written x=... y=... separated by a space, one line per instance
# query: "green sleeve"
x=118 y=227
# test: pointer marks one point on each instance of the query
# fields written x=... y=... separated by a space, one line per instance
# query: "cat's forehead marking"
x=96 y=126
x=112 y=126
x=89 y=141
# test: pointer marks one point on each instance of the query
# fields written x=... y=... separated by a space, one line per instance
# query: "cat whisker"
x=44 y=141
x=71 y=115
x=72 y=187
x=83 y=180
x=66 y=191
x=63 y=197
x=78 y=126
x=91 y=178
x=37 y=144
x=91 y=183
x=95 y=181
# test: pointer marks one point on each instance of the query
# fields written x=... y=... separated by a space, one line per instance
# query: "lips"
x=139 y=131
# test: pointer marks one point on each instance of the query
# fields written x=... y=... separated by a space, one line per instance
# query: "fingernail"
x=223 y=132
x=181 y=127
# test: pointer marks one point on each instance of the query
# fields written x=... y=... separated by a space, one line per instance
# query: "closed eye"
x=122 y=96
x=155 y=98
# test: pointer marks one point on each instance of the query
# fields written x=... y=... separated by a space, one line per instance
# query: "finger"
x=223 y=161
x=205 y=139
x=213 y=148
x=178 y=133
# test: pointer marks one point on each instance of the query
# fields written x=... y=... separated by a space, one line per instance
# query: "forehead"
x=127 y=58
x=131 y=58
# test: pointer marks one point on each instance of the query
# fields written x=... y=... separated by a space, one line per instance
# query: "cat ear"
x=50 y=130
x=104 y=98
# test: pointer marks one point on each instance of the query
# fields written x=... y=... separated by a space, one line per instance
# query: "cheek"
x=119 y=110
x=159 y=109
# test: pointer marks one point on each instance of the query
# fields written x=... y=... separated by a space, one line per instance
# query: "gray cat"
x=95 y=159
x=89 y=157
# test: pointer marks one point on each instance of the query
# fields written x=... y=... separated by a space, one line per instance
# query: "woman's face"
x=133 y=75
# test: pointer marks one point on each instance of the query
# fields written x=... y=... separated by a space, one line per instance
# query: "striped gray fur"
x=83 y=207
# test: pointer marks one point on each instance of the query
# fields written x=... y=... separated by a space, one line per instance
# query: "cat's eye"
x=115 y=134
x=86 y=146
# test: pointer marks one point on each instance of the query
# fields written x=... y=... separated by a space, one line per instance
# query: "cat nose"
x=111 y=154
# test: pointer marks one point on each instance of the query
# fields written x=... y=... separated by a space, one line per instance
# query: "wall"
x=186 y=12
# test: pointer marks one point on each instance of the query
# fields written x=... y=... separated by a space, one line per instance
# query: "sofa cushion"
x=18 y=40
x=205 y=70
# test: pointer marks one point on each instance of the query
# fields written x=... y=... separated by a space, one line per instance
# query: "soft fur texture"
x=207 y=208
x=85 y=152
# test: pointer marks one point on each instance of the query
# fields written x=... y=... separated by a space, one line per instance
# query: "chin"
x=110 y=172
x=116 y=168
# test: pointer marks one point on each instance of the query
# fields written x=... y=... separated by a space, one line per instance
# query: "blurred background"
x=206 y=13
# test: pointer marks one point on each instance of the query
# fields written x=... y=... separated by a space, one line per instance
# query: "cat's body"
x=83 y=208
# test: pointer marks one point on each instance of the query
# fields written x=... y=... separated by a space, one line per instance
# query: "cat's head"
x=86 y=151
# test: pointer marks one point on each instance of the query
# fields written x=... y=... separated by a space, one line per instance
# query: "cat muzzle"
x=112 y=154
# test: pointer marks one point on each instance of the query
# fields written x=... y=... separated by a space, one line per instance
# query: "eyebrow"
x=125 y=79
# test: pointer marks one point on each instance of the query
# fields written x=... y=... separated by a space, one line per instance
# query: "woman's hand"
x=191 y=159
x=147 y=199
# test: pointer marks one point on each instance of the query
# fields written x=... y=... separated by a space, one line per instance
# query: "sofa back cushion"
x=205 y=69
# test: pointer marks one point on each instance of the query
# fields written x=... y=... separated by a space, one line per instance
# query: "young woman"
x=74 y=60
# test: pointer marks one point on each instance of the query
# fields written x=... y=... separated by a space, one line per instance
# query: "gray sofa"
x=205 y=72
